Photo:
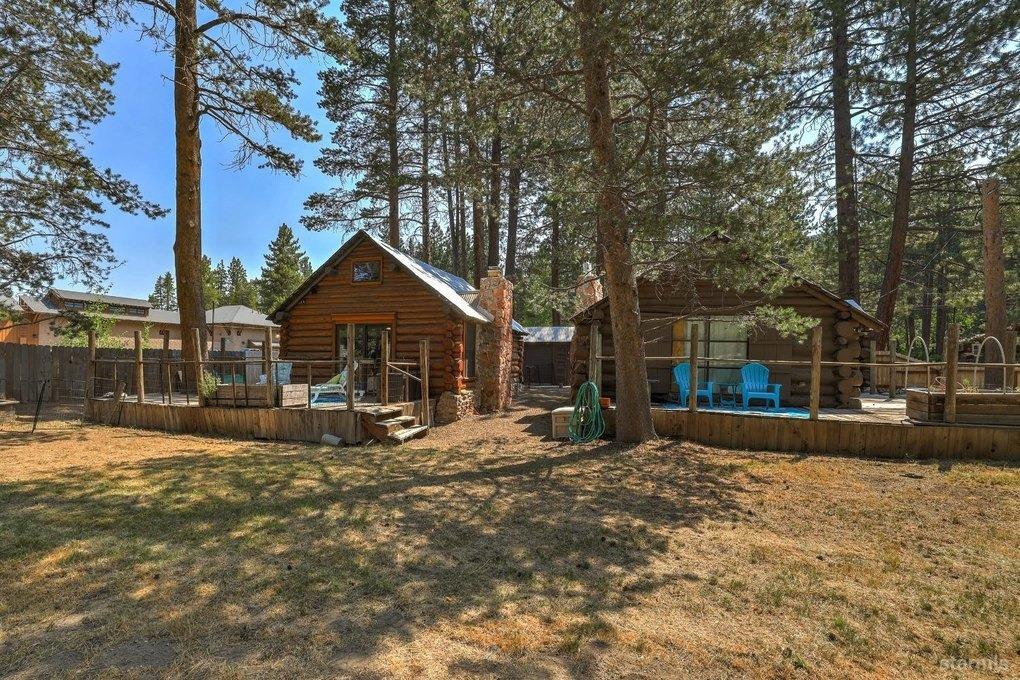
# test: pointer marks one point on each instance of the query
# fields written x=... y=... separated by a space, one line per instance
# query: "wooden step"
x=401 y=436
x=392 y=425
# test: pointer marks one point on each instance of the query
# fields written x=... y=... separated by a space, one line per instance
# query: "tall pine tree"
x=285 y=268
x=164 y=293
x=240 y=291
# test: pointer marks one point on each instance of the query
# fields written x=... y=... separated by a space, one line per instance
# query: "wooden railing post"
x=199 y=368
x=594 y=352
x=350 y=367
x=90 y=368
x=423 y=358
x=1009 y=349
x=952 y=363
x=139 y=369
x=267 y=362
x=164 y=368
x=892 y=368
x=692 y=397
x=384 y=368
x=816 y=370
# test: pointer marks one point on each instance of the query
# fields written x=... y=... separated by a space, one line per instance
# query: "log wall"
x=414 y=311
x=840 y=338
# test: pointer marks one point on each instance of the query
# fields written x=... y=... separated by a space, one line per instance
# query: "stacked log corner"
x=847 y=335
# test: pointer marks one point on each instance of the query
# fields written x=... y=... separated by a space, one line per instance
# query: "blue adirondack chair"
x=755 y=385
x=682 y=375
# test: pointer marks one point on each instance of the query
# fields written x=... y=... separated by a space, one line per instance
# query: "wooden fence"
x=58 y=373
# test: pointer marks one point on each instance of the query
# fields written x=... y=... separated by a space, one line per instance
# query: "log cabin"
x=668 y=313
x=374 y=286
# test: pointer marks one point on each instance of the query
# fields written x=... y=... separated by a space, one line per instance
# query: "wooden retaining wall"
x=305 y=425
x=842 y=437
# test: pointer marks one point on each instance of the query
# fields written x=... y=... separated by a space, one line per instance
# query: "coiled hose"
x=586 y=422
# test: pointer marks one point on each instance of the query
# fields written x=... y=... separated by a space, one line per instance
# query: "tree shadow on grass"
x=319 y=562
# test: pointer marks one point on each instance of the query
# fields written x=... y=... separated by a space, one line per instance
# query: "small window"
x=366 y=271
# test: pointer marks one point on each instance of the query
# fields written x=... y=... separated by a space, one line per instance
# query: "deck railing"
x=951 y=367
x=215 y=381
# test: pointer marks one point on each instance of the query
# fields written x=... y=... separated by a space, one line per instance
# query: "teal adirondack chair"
x=682 y=375
x=755 y=385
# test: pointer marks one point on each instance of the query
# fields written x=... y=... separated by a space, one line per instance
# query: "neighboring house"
x=547 y=355
x=232 y=327
x=667 y=318
x=374 y=286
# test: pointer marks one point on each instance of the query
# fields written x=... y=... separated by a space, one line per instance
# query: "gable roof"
x=851 y=306
x=448 y=287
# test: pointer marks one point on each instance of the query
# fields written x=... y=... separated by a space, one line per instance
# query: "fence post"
x=952 y=362
x=423 y=358
x=384 y=368
x=1009 y=350
x=90 y=368
x=139 y=369
x=350 y=367
x=199 y=368
x=164 y=369
x=692 y=396
x=892 y=368
x=267 y=363
x=816 y=370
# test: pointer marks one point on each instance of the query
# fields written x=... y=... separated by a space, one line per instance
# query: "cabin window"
x=366 y=271
x=723 y=337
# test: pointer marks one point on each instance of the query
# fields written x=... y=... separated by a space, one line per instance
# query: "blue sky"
x=241 y=209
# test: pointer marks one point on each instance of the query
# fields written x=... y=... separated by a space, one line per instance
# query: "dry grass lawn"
x=488 y=550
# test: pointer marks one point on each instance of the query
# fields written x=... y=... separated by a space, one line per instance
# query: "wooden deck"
x=283 y=424
x=880 y=429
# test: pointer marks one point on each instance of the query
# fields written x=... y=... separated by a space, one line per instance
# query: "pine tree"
x=164 y=294
x=286 y=267
x=53 y=89
x=240 y=291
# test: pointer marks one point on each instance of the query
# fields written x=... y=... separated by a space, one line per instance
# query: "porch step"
x=401 y=436
x=394 y=424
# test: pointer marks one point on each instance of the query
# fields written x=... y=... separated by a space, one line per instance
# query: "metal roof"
x=237 y=315
x=549 y=333
x=97 y=297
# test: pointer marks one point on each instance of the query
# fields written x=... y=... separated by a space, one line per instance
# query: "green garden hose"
x=586 y=422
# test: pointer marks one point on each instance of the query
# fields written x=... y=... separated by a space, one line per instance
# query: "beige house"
x=231 y=327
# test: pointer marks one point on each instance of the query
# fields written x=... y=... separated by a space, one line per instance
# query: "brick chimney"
x=494 y=353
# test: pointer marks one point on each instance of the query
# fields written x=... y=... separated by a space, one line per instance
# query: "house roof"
x=96 y=297
x=237 y=315
x=851 y=306
x=448 y=287
x=549 y=334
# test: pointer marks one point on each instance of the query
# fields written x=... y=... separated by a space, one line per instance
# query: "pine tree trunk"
x=188 y=213
x=495 y=200
x=426 y=216
x=941 y=311
x=554 y=260
x=847 y=222
x=927 y=302
x=995 y=286
x=451 y=206
x=633 y=411
x=392 y=94
x=513 y=199
x=904 y=186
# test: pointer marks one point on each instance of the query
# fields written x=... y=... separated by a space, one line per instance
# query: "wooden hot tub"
x=979 y=408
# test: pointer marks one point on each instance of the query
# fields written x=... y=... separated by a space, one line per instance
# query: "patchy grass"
x=488 y=550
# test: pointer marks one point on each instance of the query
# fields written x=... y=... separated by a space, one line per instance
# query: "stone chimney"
x=589 y=291
x=494 y=348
